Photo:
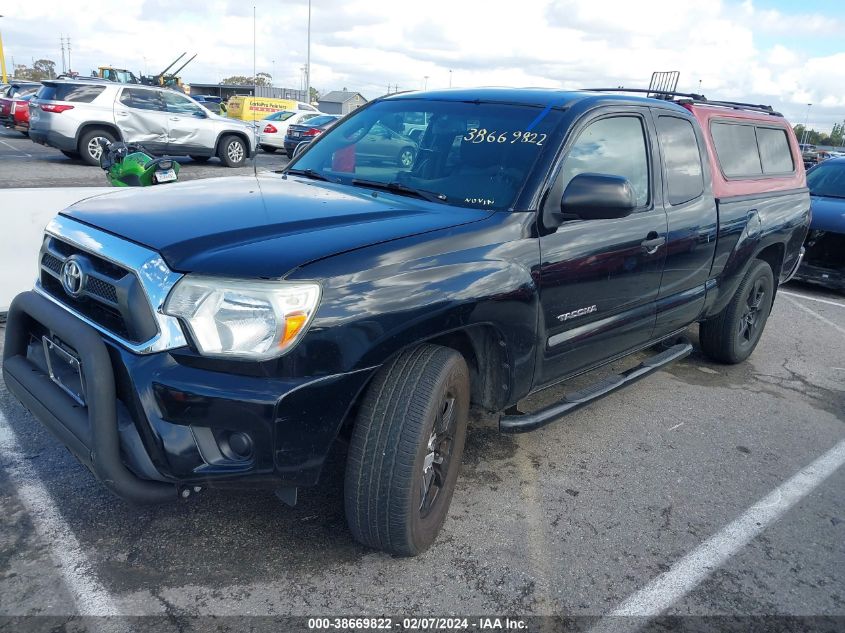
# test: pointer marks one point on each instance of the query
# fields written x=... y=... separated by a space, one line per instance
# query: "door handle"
x=175 y=118
x=652 y=243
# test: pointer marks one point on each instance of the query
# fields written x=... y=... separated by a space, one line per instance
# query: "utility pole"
x=62 y=46
x=69 y=66
x=3 y=62
x=308 y=60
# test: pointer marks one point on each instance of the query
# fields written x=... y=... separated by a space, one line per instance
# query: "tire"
x=200 y=159
x=392 y=455
x=732 y=335
x=89 y=150
x=406 y=157
x=71 y=155
x=269 y=148
x=233 y=151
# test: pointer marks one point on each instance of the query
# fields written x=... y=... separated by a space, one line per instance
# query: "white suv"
x=73 y=115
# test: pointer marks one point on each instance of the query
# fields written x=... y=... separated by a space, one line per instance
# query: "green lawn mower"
x=129 y=165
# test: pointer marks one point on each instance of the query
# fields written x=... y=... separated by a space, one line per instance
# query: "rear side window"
x=682 y=158
x=79 y=93
x=774 y=150
x=736 y=147
x=142 y=99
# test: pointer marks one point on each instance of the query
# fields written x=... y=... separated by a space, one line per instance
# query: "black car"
x=298 y=136
x=229 y=332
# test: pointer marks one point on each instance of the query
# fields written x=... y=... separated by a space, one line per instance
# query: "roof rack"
x=670 y=95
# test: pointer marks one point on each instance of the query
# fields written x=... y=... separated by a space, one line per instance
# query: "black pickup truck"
x=227 y=332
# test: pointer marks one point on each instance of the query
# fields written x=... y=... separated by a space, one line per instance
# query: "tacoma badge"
x=576 y=313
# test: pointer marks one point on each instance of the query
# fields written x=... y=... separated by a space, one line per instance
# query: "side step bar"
x=523 y=422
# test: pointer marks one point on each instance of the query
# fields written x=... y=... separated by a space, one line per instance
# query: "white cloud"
x=737 y=51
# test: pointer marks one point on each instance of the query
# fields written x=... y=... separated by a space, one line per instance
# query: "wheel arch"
x=95 y=125
x=240 y=134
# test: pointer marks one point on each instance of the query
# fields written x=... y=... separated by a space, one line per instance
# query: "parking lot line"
x=804 y=308
x=809 y=298
x=685 y=575
x=90 y=596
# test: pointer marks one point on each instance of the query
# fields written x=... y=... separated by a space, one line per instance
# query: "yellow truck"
x=248 y=108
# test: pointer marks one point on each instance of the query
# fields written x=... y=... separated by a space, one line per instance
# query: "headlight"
x=249 y=319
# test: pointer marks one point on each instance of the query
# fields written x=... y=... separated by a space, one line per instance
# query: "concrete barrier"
x=23 y=215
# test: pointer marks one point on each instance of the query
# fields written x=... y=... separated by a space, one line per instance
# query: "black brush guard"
x=91 y=431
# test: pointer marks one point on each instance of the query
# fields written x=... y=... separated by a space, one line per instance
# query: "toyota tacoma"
x=227 y=332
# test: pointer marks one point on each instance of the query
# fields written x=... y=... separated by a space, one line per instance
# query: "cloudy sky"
x=784 y=52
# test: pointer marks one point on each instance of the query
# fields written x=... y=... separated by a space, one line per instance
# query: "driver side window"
x=613 y=146
x=178 y=104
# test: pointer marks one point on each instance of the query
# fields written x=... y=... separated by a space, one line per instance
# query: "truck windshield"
x=462 y=153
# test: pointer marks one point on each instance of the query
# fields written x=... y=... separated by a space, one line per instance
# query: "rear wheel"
x=406 y=450
x=269 y=148
x=232 y=151
x=200 y=159
x=732 y=335
x=89 y=146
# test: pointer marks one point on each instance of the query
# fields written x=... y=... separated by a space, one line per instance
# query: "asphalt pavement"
x=720 y=486
x=27 y=164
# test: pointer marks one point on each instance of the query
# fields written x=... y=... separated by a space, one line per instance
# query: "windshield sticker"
x=482 y=135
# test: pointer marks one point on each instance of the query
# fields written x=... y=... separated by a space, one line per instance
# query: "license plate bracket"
x=65 y=369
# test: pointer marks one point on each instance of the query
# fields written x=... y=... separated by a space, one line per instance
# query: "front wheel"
x=732 y=335
x=233 y=151
x=406 y=450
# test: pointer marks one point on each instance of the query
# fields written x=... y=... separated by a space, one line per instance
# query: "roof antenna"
x=254 y=95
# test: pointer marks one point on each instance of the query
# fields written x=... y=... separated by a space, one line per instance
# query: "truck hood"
x=261 y=227
x=828 y=214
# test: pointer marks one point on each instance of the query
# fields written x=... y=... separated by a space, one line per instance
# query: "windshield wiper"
x=398 y=187
x=310 y=173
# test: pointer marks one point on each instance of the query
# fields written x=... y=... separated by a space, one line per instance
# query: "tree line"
x=836 y=137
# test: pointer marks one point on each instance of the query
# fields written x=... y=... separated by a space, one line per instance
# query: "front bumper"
x=53 y=139
x=156 y=423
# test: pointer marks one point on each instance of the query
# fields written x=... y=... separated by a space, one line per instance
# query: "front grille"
x=108 y=294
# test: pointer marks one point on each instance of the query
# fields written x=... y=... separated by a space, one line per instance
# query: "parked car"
x=14 y=112
x=16 y=88
x=210 y=102
x=274 y=128
x=229 y=332
x=299 y=135
x=382 y=143
x=74 y=115
x=824 y=259
x=809 y=154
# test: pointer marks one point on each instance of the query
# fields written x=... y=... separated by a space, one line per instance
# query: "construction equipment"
x=169 y=79
x=120 y=75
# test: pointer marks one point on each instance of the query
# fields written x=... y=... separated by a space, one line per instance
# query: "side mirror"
x=597 y=197
x=200 y=114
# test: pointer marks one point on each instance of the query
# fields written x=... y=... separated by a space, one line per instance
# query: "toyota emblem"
x=72 y=277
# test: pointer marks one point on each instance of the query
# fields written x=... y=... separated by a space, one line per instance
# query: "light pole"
x=273 y=76
x=3 y=61
x=308 y=60
x=450 y=77
x=425 y=83
x=806 y=134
